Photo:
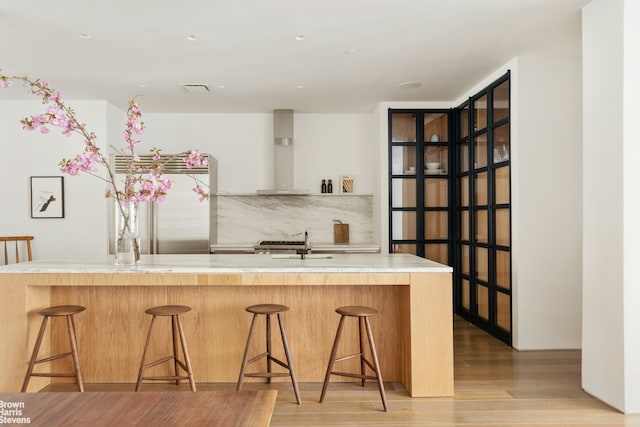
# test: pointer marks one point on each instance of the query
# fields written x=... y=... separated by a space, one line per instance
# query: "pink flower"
x=203 y=194
x=195 y=159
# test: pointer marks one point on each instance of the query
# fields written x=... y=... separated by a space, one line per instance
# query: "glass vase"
x=127 y=241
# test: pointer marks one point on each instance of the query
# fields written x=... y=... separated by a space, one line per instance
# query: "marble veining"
x=250 y=218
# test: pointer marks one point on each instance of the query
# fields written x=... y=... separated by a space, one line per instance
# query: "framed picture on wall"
x=346 y=184
x=47 y=197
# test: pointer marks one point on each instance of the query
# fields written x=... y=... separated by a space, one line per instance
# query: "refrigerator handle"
x=153 y=228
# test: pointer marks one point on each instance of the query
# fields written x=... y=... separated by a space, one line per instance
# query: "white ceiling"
x=140 y=47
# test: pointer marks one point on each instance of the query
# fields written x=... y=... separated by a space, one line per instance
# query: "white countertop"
x=212 y=264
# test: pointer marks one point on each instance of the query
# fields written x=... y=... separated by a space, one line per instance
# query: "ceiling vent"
x=196 y=88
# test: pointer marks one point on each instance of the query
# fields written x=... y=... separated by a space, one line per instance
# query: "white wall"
x=325 y=147
x=631 y=159
x=603 y=324
x=611 y=338
x=29 y=153
x=547 y=193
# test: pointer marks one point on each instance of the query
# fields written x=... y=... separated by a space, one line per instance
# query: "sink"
x=296 y=256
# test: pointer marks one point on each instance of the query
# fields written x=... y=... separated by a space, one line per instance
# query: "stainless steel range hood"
x=283 y=156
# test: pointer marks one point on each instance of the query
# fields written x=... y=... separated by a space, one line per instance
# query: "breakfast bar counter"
x=413 y=330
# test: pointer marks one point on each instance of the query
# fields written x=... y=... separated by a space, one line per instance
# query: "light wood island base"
x=413 y=331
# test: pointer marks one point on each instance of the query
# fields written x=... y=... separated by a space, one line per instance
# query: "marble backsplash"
x=250 y=218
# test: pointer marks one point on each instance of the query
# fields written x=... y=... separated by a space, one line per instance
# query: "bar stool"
x=362 y=313
x=268 y=310
x=176 y=326
x=66 y=311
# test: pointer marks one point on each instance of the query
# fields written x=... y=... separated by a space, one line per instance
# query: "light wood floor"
x=494 y=386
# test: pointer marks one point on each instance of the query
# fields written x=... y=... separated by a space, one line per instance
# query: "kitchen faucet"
x=305 y=251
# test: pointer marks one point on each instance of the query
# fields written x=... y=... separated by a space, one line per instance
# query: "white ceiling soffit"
x=256 y=55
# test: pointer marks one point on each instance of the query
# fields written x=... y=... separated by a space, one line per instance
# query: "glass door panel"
x=404 y=225
x=482 y=296
x=436 y=225
x=502 y=185
x=481 y=189
x=436 y=160
x=466 y=298
x=480 y=113
x=501 y=101
x=436 y=127
x=503 y=269
x=501 y=143
x=465 y=260
x=480 y=151
x=403 y=159
x=403 y=127
x=437 y=252
x=464 y=191
x=502 y=227
x=403 y=193
x=503 y=308
x=482 y=226
x=464 y=122
x=464 y=225
x=482 y=264
x=464 y=157
x=436 y=193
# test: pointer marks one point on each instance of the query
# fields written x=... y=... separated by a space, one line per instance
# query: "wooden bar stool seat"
x=66 y=311
x=268 y=310
x=362 y=313
x=177 y=332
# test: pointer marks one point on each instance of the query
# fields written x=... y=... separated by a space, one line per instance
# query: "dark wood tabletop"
x=203 y=408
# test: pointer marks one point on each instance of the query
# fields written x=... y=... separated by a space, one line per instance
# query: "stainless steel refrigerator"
x=181 y=224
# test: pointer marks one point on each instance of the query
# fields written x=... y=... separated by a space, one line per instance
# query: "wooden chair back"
x=16 y=240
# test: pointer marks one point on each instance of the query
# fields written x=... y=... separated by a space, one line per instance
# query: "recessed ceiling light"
x=192 y=38
x=84 y=36
x=409 y=85
x=300 y=87
x=300 y=37
x=142 y=85
x=221 y=86
x=351 y=51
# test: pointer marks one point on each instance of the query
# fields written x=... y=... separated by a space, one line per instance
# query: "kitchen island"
x=413 y=331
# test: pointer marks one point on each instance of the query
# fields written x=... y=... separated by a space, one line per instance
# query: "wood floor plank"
x=495 y=386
